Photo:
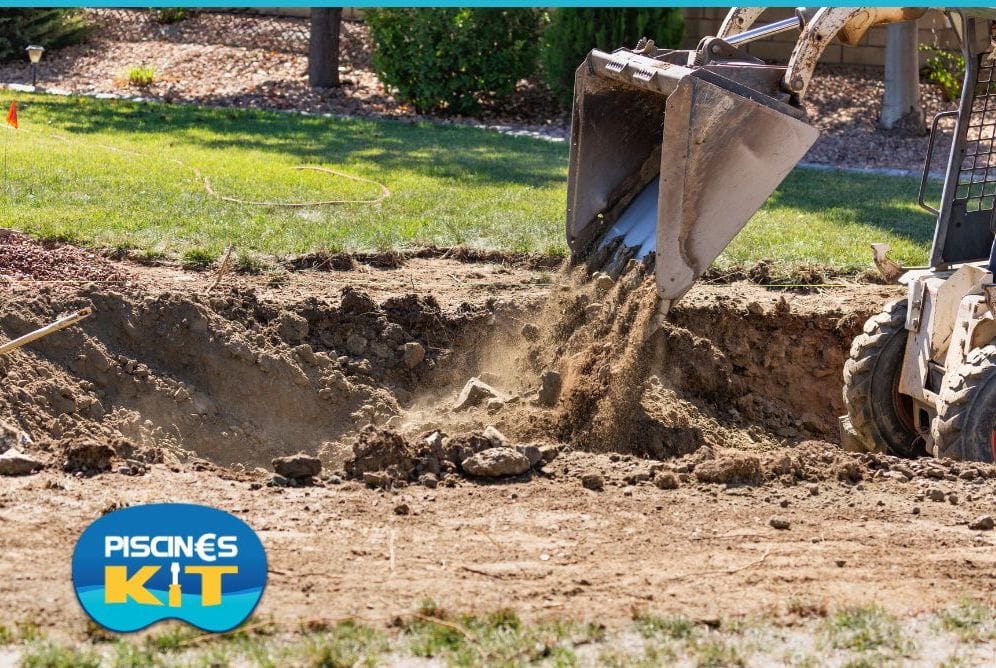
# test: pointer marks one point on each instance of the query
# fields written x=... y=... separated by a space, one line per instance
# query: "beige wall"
x=702 y=21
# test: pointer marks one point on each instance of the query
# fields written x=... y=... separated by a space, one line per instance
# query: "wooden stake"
x=61 y=323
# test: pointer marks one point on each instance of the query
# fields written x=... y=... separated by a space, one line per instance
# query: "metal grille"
x=977 y=175
x=229 y=27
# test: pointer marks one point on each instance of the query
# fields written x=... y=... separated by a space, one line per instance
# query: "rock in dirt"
x=14 y=462
x=532 y=453
x=496 y=463
x=377 y=479
x=89 y=456
x=494 y=405
x=498 y=439
x=530 y=332
x=603 y=283
x=549 y=452
x=402 y=509
x=298 y=467
x=473 y=393
x=356 y=344
x=377 y=451
x=730 y=469
x=780 y=523
x=292 y=327
x=667 y=480
x=412 y=354
x=593 y=481
x=935 y=495
x=982 y=523
x=550 y=384
x=9 y=436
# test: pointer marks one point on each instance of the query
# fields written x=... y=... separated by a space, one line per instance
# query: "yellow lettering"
x=118 y=586
x=211 y=581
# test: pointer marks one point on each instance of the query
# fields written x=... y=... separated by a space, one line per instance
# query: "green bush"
x=574 y=31
x=452 y=60
x=946 y=69
x=51 y=28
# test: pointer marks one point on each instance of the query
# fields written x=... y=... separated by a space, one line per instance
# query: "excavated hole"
x=235 y=380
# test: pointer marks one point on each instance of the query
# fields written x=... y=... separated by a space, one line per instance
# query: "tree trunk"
x=901 y=108
x=323 y=48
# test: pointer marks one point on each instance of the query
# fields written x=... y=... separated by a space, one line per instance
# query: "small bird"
x=889 y=269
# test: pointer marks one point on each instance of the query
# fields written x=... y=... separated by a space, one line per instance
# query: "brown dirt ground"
x=200 y=387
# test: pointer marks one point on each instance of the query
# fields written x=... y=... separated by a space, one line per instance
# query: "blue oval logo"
x=140 y=565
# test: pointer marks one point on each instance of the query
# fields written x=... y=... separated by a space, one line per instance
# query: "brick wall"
x=703 y=21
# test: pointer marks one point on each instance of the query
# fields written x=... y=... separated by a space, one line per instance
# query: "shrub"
x=452 y=60
x=168 y=15
x=141 y=76
x=51 y=28
x=574 y=31
x=946 y=69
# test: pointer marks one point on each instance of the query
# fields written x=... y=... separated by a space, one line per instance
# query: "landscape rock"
x=496 y=462
x=473 y=393
x=89 y=456
x=298 y=467
x=14 y=462
x=593 y=481
x=494 y=405
x=530 y=332
x=780 y=523
x=550 y=384
x=982 y=523
x=377 y=479
x=412 y=354
x=935 y=495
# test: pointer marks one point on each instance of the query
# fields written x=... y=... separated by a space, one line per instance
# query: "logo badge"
x=140 y=565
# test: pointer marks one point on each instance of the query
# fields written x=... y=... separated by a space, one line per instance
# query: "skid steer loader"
x=672 y=152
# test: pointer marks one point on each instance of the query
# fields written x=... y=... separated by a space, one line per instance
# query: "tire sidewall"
x=976 y=442
x=898 y=436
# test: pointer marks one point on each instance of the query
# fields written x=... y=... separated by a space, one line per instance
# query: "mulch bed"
x=241 y=61
x=23 y=258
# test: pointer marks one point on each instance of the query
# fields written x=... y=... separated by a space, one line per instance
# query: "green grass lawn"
x=69 y=179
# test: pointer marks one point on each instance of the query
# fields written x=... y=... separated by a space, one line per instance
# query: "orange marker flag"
x=12 y=115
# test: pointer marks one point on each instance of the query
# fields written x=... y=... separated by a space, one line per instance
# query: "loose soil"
x=705 y=437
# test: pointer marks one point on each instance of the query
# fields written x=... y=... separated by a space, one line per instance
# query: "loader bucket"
x=668 y=161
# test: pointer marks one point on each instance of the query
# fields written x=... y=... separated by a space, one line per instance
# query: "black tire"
x=966 y=410
x=881 y=416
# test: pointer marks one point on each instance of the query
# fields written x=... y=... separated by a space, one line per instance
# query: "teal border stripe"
x=438 y=3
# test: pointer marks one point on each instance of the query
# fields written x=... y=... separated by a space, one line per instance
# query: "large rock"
x=14 y=462
x=496 y=462
x=473 y=393
x=298 y=467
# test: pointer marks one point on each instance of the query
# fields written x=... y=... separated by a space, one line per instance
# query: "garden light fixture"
x=34 y=55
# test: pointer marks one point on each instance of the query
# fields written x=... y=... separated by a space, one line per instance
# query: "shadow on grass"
x=465 y=155
x=885 y=202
